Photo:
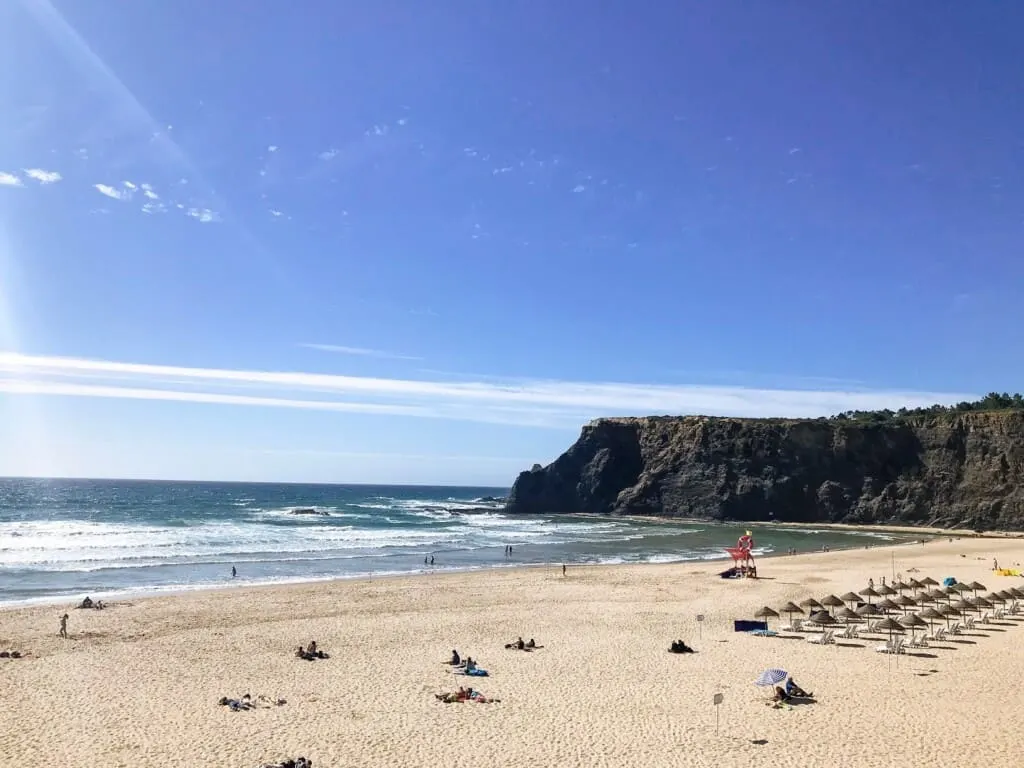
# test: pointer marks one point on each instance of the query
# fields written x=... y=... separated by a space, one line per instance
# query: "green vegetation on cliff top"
x=993 y=401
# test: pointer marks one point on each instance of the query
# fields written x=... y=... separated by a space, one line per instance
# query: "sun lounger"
x=954 y=628
x=797 y=625
x=823 y=639
x=998 y=614
x=921 y=642
x=764 y=633
x=849 y=632
x=895 y=646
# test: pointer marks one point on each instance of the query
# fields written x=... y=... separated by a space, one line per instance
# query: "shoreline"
x=176 y=591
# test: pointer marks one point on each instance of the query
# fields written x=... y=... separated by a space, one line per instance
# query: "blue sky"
x=379 y=242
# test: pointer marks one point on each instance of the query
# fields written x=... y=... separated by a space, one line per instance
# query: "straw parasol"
x=915 y=584
x=995 y=597
x=811 y=603
x=790 y=608
x=887 y=605
x=947 y=611
x=963 y=605
x=901 y=586
x=832 y=601
x=1005 y=594
x=980 y=602
x=821 y=617
x=847 y=614
x=891 y=626
x=886 y=591
x=937 y=594
x=1016 y=592
x=867 y=610
x=928 y=581
x=869 y=592
x=977 y=586
x=766 y=613
x=905 y=602
x=912 y=622
x=930 y=614
x=850 y=597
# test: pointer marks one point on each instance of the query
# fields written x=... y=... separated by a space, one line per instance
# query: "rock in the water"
x=963 y=470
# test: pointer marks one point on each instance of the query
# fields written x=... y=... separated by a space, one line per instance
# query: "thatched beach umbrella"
x=963 y=605
x=977 y=587
x=832 y=601
x=867 y=610
x=901 y=586
x=822 y=617
x=915 y=584
x=930 y=614
x=980 y=603
x=912 y=622
x=1016 y=592
x=937 y=594
x=886 y=591
x=812 y=604
x=995 y=597
x=1005 y=594
x=850 y=597
x=928 y=581
x=887 y=605
x=847 y=614
x=868 y=592
x=891 y=626
x=947 y=611
x=766 y=613
x=905 y=602
x=789 y=609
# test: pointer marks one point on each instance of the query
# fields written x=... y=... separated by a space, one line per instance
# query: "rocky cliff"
x=945 y=470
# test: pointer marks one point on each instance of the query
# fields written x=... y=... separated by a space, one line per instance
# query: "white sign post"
x=700 y=623
x=717 y=700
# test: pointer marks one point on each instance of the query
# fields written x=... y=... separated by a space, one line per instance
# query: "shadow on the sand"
x=943 y=647
x=919 y=655
x=850 y=645
x=962 y=642
x=790 y=637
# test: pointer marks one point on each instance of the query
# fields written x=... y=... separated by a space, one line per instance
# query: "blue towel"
x=473 y=672
x=741 y=625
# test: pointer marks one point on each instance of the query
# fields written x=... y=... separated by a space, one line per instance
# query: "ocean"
x=64 y=539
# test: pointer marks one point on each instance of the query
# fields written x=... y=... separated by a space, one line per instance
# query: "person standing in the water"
x=233 y=572
x=431 y=559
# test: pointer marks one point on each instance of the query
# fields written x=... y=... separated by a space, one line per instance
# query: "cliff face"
x=944 y=470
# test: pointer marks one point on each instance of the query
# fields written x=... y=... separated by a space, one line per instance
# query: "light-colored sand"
x=137 y=684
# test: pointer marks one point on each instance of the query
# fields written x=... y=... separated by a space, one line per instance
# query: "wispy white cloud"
x=360 y=351
x=329 y=154
x=43 y=176
x=154 y=207
x=147 y=190
x=130 y=185
x=525 y=402
x=204 y=215
x=109 y=191
x=10 y=180
x=276 y=213
x=579 y=188
x=795 y=150
x=272 y=148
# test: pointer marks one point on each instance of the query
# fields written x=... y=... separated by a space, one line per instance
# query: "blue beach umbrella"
x=771 y=677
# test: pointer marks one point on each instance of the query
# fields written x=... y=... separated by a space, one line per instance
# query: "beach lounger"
x=823 y=639
x=969 y=622
x=954 y=628
x=849 y=632
x=797 y=625
x=921 y=642
x=998 y=614
x=985 y=618
x=896 y=646
x=1014 y=608
x=764 y=633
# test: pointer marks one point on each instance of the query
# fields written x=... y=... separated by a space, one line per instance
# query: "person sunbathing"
x=792 y=689
x=456 y=660
x=470 y=664
x=518 y=645
x=301 y=653
x=678 y=646
x=531 y=644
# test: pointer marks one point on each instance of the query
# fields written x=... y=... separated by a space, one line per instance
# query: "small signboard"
x=718 y=699
x=700 y=622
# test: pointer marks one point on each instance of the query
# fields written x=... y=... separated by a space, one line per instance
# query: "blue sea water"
x=103 y=538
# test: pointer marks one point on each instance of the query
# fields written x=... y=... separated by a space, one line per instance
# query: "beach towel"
x=949 y=581
x=474 y=673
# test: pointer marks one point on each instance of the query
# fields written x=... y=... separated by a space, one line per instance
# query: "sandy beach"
x=137 y=684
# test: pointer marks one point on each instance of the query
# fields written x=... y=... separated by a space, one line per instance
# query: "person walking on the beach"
x=63 y=627
x=233 y=572
x=563 y=570
x=431 y=559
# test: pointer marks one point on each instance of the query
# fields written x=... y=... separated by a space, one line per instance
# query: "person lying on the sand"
x=678 y=646
x=10 y=654
x=301 y=653
x=518 y=645
x=464 y=694
x=792 y=689
x=246 y=702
